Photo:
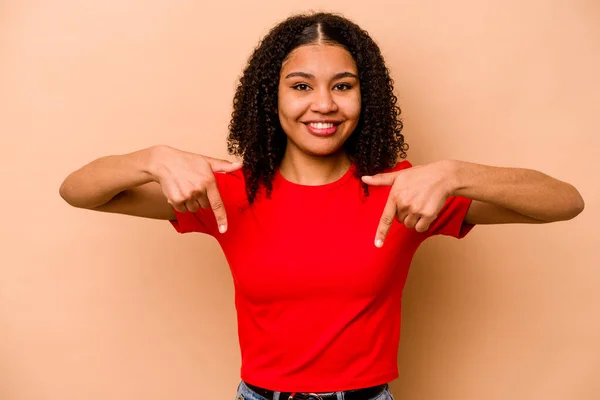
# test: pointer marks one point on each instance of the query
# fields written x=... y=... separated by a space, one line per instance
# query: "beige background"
x=96 y=306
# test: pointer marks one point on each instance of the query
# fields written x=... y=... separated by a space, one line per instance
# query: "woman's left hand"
x=416 y=197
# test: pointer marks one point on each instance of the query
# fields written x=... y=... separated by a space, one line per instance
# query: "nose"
x=323 y=102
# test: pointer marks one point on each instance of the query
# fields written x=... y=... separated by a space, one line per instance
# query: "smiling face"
x=318 y=99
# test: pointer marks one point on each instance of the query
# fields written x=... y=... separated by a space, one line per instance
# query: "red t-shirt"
x=318 y=305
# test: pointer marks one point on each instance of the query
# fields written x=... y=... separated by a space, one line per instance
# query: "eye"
x=301 y=87
x=342 y=87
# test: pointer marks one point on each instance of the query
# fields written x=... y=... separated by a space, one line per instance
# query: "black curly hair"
x=255 y=133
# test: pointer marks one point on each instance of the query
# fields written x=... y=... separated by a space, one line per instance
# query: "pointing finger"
x=385 y=223
x=380 y=179
x=218 y=165
x=216 y=203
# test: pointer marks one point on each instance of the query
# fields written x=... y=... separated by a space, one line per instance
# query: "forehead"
x=319 y=59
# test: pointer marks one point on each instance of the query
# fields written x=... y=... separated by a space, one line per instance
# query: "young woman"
x=320 y=222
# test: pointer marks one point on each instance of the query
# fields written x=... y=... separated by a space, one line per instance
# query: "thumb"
x=218 y=165
x=386 y=179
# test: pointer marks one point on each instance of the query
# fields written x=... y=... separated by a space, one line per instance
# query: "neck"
x=304 y=169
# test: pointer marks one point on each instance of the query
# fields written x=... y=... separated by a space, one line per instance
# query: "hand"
x=188 y=182
x=416 y=197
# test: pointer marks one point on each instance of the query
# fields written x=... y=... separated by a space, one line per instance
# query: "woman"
x=320 y=222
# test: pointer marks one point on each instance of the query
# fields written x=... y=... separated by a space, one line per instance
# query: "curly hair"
x=255 y=133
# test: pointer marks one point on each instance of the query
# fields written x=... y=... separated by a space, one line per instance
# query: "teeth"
x=321 y=125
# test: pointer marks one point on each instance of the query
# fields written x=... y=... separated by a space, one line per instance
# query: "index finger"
x=385 y=223
x=216 y=204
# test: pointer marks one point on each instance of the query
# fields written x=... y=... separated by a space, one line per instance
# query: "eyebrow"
x=305 y=75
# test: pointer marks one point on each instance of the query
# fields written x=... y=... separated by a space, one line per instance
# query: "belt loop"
x=340 y=396
x=276 y=395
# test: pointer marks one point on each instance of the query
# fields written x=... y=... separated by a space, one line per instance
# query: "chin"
x=322 y=151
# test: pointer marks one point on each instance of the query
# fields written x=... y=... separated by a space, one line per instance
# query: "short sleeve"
x=451 y=218
x=231 y=188
x=198 y=221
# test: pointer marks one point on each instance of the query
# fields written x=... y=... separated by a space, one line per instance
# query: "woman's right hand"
x=188 y=181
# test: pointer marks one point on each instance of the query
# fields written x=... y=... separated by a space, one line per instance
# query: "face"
x=318 y=99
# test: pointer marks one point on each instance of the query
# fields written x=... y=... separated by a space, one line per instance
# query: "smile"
x=322 y=128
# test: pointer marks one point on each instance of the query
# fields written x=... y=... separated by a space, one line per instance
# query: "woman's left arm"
x=499 y=195
x=512 y=195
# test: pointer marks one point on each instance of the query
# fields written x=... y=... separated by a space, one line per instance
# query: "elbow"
x=63 y=191
x=66 y=194
x=579 y=206
x=576 y=204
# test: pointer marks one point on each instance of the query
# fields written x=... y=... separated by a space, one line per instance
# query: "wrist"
x=452 y=172
x=150 y=161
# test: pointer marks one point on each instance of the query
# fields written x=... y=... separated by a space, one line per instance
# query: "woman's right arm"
x=149 y=183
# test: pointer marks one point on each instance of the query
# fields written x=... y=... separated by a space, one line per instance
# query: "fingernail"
x=378 y=243
x=222 y=228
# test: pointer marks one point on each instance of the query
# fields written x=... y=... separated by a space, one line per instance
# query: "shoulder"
x=235 y=178
x=400 y=165
x=231 y=185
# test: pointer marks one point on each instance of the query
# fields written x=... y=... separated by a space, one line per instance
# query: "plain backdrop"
x=96 y=306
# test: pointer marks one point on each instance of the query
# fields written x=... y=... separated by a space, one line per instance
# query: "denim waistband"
x=245 y=393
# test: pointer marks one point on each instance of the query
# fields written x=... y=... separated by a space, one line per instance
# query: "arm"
x=149 y=183
x=500 y=195
x=512 y=195
x=118 y=183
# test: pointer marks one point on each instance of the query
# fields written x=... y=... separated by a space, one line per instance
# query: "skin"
x=318 y=82
x=500 y=195
x=149 y=183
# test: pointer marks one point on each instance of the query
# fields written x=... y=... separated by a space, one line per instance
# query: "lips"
x=322 y=128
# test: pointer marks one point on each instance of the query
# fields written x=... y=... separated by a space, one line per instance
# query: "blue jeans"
x=245 y=393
